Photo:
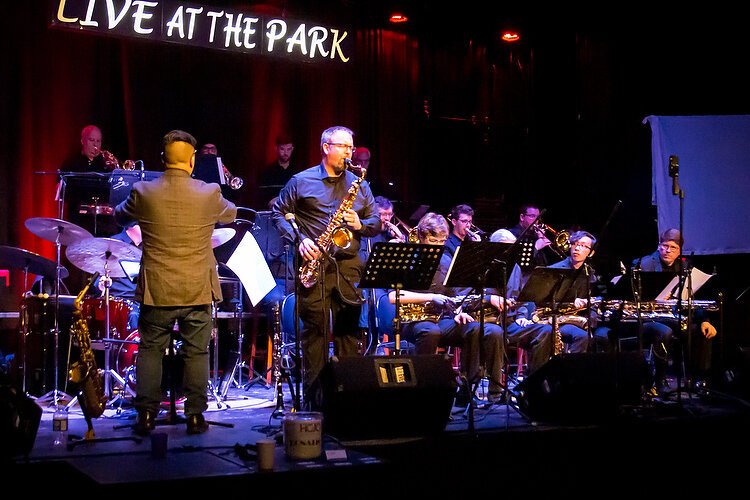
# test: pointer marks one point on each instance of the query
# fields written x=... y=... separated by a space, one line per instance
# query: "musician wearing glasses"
x=662 y=332
x=535 y=247
x=575 y=333
x=462 y=219
x=433 y=319
x=530 y=327
x=327 y=209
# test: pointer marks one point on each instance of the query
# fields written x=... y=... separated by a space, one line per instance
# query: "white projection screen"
x=713 y=154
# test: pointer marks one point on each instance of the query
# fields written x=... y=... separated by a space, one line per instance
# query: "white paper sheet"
x=697 y=277
x=250 y=266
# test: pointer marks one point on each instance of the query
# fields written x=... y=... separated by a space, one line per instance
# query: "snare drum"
x=94 y=312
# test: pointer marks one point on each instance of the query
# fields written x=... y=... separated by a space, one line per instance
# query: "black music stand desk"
x=401 y=265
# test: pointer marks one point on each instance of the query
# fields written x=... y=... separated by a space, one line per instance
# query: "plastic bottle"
x=60 y=427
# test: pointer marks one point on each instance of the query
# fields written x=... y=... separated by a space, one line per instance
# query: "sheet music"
x=250 y=266
x=697 y=277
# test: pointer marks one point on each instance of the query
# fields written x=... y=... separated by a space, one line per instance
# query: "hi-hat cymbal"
x=49 y=229
x=221 y=236
x=91 y=255
x=18 y=258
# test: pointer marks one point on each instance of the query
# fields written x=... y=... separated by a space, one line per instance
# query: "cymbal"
x=221 y=236
x=18 y=258
x=49 y=228
x=91 y=255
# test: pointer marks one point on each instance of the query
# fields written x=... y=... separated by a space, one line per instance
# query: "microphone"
x=674 y=173
x=292 y=220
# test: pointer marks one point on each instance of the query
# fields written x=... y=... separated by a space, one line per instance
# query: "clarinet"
x=277 y=357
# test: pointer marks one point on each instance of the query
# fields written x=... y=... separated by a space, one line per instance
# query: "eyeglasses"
x=667 y=246
x=432 y=240
x=531 y=216
x=466 y=221
x=343 y=146
x=581 y=245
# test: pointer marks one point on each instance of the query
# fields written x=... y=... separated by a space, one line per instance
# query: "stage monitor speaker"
x=583 y=387
x=19 y=422
x=387 y=397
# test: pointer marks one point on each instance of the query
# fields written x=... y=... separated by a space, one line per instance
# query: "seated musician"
x=530 y=326
x=659 y=333
x=432 y=319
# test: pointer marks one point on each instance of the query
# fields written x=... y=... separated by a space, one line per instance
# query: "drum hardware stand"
x=213 y=382
x=109 y=373
x=55 y=394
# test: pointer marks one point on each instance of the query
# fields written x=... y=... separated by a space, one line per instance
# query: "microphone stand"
x=296 y=403
x=674 y=173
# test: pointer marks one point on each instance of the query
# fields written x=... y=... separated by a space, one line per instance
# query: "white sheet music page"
x=697 y=277
x=250 y=266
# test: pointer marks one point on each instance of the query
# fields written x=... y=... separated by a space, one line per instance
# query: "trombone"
x=560 y=239
x=400 y=230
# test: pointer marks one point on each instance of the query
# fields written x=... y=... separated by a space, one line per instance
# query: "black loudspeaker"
x=585 y=387
x=386 y=397
x=19 y=422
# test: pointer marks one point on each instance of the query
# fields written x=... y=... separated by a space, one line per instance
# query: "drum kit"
x=106 y=316
x=90 y=254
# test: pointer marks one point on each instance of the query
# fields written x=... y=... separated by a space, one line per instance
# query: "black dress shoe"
x=146 y=423
x=196 y=424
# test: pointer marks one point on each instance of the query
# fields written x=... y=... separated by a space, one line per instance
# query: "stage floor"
x=493 y=447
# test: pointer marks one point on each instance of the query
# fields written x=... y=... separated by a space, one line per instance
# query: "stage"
x=680 y=444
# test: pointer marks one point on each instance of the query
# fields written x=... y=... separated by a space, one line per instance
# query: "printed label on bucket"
x=303 y=435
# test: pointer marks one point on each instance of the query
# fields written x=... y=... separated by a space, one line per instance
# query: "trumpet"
x=111 y=162
x=233 y=182
x=560 y=239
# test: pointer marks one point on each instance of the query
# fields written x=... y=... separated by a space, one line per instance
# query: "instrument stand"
x=280 y=371
x=55 y=395
x=397 y=266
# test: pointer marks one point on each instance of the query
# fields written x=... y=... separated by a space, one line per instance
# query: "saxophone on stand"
x=85 y=372
x=335 y=233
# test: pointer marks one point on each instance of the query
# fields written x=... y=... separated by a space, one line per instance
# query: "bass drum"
x=127 y=356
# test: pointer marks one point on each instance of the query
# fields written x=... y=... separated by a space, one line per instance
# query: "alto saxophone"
x=85 y=372
x=334 y=233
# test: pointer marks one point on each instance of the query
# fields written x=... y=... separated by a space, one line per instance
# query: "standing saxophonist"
x=320 y=197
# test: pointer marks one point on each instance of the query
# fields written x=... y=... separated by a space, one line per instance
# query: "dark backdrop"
x=451 y=115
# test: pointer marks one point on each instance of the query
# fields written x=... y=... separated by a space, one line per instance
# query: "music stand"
x=551 y=285
x=474 y=265
x=401 y=265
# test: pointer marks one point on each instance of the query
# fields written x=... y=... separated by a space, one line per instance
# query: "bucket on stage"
x=303 y=435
